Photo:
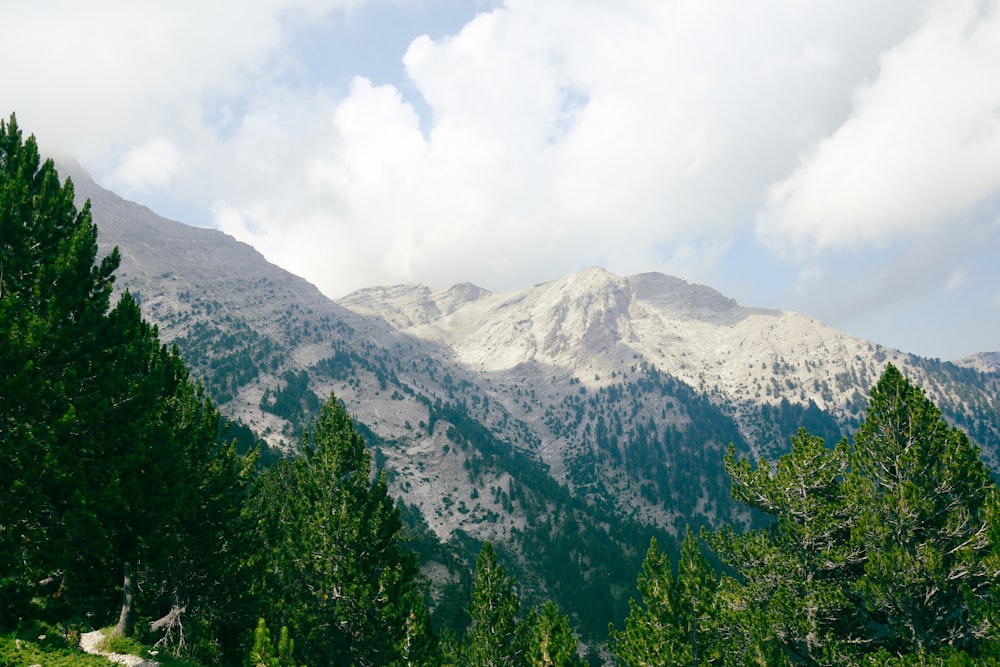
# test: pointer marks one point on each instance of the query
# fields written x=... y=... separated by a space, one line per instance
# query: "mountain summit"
x=590 y=324
x=562 y=322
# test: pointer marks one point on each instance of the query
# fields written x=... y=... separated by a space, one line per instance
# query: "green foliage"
x=295 y=402
x=551 y=642
x=580 y=554
x=493 y=640
x=808 y=544
x=652 y=634
x=500 y=637
x=883 y=551
x=419 y=645
x=225 y=355
x=112 y=643
x=265 y=654
x=947 y=656
x=108 y=448
x=53 y=298
x=16 y=651
x=782 y=421
x=672 y=624
x=923 y=496
x=659 y=430
x=326 y=554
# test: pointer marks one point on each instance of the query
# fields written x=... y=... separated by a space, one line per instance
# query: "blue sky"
x=839 y=158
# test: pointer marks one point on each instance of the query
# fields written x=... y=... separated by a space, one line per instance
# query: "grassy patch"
x=44 y=650
x=132 y=646
x=58 y=646
x=121 y=644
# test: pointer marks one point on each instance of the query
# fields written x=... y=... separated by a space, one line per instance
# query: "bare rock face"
x=592 y=322
x=405 y=306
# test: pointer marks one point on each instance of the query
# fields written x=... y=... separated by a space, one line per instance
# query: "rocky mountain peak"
x=405 y=306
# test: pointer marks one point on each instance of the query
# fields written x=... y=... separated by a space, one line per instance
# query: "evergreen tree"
x=672 y=624
x=551 y=642
x=885 y=547
x=263 y=653
x=493 y=640
x=327 y=552
x=108 y=449
x=53 y=297
x=795 y=571
x=158 y=437
x=697 y=583
x=922 y=498
x=419 y=645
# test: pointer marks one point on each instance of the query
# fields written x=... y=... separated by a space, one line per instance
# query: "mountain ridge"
x=573 y=417
x=691 y=331
x=587 y=326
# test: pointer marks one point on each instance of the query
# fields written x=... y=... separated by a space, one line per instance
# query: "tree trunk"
x=126 y=620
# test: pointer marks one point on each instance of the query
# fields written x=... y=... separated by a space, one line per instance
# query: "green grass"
x=54 y=649
x=47 y=650
x=133 y=646
x=121 y=644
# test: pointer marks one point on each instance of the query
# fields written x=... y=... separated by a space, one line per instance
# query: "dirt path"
x=90 y=640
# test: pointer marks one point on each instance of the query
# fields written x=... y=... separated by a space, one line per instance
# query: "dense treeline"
x=120 y=502
x=124 y=505
x=884 y=550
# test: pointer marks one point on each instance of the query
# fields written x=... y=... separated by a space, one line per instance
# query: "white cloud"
x=808 y=277
x=554 y=135
x=146 y=167
x=919 y=152
x=100 y=77
x=560 y=134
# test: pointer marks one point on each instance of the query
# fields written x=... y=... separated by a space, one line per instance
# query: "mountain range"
x=567 y=421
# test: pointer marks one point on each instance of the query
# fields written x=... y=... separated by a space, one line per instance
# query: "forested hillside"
x=880 y=550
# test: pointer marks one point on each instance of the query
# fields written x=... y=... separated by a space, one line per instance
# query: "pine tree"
x=493 y=639
x=884 y=550
x=418 y=646
x=53 y=297
x=108 y=449
x=794 y=571
x=697 y=583
x=328 y=553
x=672 y=624
x=551 y=642
x=147 y=459
x=922 y=496
x=263 y=653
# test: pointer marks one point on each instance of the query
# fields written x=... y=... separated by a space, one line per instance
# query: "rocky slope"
x=567 y=420
x=244 y=325
x=593 y=326
x=517 y=360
